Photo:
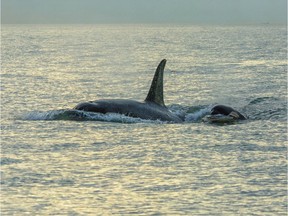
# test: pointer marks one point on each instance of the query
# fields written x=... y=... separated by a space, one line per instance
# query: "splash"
x=195 y=114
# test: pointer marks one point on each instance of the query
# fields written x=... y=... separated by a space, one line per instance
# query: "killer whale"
x=227 y=111
x=152 y=108
x=221 y=114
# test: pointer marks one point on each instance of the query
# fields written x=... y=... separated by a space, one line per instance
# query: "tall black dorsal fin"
x=156 y=90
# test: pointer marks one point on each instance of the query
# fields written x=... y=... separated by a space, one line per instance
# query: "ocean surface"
x=56 y=161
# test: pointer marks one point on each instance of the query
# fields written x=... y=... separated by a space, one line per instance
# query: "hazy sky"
x=144 y=11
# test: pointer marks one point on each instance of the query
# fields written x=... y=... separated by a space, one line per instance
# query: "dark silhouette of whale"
x=227 y=111
x=152 y=108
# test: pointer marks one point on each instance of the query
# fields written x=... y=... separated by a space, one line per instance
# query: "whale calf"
x=221 y=114
x=152 y=108
x=227 y=111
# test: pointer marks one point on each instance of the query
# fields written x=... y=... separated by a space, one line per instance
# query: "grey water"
x=53 y=163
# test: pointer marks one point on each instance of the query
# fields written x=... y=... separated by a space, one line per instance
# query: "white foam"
x=198 y=115
x=83 y=116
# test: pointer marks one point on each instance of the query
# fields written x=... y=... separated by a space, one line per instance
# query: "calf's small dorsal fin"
x=155 y=94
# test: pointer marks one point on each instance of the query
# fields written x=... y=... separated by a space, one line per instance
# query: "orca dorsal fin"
x=156 y=90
